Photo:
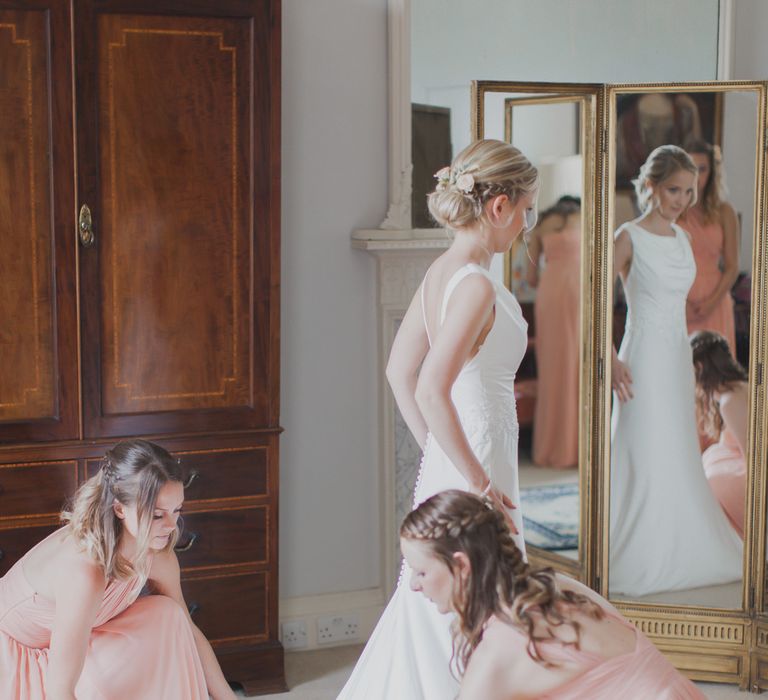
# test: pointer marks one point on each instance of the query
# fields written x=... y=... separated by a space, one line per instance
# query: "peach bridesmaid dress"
x=556 y=416
x=639 y=675
x=138 y=649
x=726 y=471
x=707 y=245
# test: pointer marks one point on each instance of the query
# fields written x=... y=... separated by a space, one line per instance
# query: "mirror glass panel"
x=544 y=271
x=681 y=310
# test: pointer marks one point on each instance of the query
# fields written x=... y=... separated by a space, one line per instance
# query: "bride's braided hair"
x=501 y=582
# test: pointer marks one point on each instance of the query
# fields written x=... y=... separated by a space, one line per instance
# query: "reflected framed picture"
x=645 y=121
x=431 y=149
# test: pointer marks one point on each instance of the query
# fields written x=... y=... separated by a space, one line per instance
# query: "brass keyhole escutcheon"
x=85 y=227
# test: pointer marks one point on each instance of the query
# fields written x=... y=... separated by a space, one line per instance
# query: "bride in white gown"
x=467 y=333
x=668 y=531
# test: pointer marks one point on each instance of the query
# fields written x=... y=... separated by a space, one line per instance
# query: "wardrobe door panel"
x=38 y=331
x=175 y=163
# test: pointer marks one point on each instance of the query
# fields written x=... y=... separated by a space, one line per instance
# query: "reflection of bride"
x=667 y=530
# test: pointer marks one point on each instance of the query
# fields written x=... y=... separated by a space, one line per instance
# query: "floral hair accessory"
x=465 y=182
x=461 y=178
x=443 y=177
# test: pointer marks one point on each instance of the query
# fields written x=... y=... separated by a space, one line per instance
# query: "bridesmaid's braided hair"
x=500 y=583
x=716 y=371
x=131 y=473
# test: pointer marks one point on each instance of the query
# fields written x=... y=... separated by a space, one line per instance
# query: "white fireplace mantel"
x=403 y=257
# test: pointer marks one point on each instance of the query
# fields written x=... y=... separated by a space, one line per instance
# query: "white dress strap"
x=423 y=307
x=458 y=276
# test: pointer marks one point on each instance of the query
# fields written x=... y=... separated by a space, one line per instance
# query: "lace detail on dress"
x=483 y=421
x=668 y=327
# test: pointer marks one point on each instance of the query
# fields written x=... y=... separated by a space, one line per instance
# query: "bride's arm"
x=408 y=350
x=621 y=377
x=469 y=309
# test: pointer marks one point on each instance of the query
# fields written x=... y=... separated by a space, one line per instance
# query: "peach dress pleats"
x=639 y=675
x=707 y=240
x=139 y=647
x=726 y=471
x=557 y=323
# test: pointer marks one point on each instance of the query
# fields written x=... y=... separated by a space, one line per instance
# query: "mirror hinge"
x=597 y=584
x=605 y=141
x=759 y=374
x=600 y=368
x=751 y=598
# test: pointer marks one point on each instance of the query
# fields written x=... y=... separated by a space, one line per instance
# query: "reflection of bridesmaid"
x=713 y=227
x=722 y=401
x=556 y=418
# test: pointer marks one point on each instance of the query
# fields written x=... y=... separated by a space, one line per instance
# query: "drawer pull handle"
x=193 y=608
x=186 y=547
x=192 y=476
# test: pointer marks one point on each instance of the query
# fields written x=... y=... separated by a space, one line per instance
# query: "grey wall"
x=335 y=180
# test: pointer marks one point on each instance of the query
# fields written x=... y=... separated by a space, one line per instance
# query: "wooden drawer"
x=35 y=488
x=214 y=474
x=16 y=542
x=224 y=537
x=229 y=608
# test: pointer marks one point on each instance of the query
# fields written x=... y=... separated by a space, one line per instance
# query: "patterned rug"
x=551 y=515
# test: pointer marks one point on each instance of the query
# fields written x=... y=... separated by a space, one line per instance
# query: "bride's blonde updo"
x=483 y=170
x=662 y=163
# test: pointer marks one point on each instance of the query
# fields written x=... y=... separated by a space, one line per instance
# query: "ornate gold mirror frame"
x=586 y=97
x=707 y=643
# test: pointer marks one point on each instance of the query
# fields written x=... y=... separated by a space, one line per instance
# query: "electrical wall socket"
x=334 y=629
x=294 y=634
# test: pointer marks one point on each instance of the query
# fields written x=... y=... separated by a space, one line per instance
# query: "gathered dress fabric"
x=557 y=324
x=139 y=647
x=409 y=652
x=667 y=530
x=726 y=470
x=642 y=674
x=707 y=240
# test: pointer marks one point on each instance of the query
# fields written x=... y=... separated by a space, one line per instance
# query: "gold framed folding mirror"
x=679 y=554
x=556 y=127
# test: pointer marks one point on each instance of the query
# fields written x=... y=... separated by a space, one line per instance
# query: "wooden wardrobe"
x=139 y=281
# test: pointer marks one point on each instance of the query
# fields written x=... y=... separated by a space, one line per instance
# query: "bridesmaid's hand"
x=692 y=310
x=621 y=380
x=705 y=308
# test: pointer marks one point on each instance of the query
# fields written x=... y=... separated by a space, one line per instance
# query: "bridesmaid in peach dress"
x=522 y=632
x=72 y=624
x=557 y=322
x=722 y=402
x=713 y=226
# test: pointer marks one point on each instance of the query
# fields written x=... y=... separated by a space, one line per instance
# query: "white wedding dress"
x=668 y=532
x=408 y=654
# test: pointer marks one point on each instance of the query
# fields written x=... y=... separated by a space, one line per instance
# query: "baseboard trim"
x=367 y=604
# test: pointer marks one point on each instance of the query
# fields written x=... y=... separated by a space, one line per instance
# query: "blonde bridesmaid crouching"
x=72 y=624
x=522 y=632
